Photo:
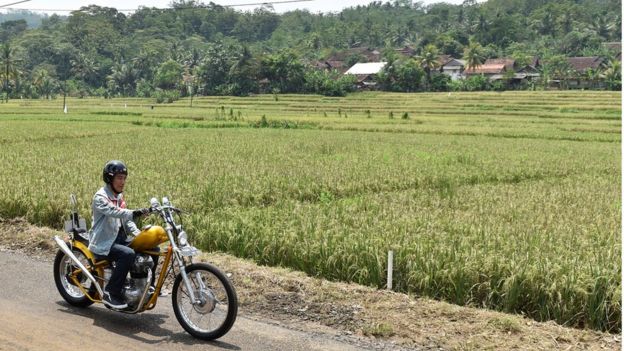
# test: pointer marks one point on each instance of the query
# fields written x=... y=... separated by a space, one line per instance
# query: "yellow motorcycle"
x=204 y=300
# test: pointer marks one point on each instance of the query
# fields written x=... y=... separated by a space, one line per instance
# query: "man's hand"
x=140 y=212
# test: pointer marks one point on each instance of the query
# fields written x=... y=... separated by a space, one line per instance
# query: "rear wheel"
x=64 y=266
x=216 y=311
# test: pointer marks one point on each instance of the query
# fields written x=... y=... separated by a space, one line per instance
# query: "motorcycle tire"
x=217 y=300
x=68 y=290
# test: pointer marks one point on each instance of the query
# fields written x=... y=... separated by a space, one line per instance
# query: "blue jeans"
x=123 y=256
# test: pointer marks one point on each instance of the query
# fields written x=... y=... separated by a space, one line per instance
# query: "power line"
x=13 y=3
x=166 y=8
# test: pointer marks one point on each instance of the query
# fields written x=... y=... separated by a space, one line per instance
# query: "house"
x=453 y=68
x=406 y=51
x=491 y=67
x=331 y=65
x=529 y=72
x=581 y=64
x=501 y=68
x=582 y=67
x=365 y=73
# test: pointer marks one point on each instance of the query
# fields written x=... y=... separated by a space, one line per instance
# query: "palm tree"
x=9 y=66
x=429 y=59
x=123 y=76
x=193 y=59
x=601 y=25
x=565 y=23
x=47 y=87
x=592 y=76
x=146 y=62
x=473 y=54
x=84 y=67
x=613 y=75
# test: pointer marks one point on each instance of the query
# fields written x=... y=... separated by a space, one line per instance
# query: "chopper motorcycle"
x=204 y=301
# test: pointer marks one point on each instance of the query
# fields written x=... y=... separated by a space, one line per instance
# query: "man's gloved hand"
x=140 y=212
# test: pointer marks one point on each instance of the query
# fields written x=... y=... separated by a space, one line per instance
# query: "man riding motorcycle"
x=112 y=222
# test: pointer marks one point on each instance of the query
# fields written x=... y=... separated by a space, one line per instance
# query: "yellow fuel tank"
x=149 y=238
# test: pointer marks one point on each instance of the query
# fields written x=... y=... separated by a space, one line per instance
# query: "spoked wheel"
x=215 y=312
x=63 y=269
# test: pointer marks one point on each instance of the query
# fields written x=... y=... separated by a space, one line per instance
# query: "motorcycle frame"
x=99 y=266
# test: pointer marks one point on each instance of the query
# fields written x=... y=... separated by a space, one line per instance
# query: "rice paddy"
x=509 y=201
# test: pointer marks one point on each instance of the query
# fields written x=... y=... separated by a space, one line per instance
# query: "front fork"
x=187 y=280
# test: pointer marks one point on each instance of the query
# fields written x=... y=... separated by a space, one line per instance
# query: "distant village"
x=582 y=73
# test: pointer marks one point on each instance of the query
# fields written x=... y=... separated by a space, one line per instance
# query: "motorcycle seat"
x=80 y=235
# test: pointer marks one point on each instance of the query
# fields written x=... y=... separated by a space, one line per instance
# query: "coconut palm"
x=429 y=60
x=592 y=76
x=84 y=67
x=9 y=66
x=613 y=75
x=473 y=54
x=123 y=77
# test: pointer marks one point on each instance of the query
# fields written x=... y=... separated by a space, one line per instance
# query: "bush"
x=440 y=82
x=166 y=96
x=328 y=83
x=476 y=83
x=498 y=85
x=144 y=88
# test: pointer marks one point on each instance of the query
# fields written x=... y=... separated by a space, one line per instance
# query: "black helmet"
x=111 y=168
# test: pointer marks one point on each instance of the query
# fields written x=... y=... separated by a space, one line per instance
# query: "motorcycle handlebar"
x=160 y=208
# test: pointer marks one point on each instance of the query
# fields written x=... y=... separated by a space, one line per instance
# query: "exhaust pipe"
x=71 y=255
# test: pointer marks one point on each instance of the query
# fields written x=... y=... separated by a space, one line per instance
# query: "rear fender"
x=63 y=246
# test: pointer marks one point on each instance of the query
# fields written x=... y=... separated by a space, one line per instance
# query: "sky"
x=313 y=6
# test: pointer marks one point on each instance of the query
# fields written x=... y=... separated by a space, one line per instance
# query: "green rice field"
x=509 y=201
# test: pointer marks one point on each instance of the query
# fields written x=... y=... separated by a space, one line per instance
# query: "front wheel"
x=215 y=312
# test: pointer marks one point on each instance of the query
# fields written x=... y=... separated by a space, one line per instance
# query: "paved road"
x=33 y=316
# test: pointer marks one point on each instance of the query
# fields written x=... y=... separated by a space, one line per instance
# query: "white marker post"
x=390 y=263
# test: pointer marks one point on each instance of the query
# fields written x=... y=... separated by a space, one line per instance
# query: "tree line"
x=195 y=48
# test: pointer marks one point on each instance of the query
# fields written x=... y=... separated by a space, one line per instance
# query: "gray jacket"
x=109 y=214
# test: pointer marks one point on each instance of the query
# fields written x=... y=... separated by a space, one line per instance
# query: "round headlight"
x=182 y=238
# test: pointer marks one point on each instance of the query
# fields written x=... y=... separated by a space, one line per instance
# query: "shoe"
x=114 y=301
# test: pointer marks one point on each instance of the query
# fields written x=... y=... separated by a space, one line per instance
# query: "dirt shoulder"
x=303 y=303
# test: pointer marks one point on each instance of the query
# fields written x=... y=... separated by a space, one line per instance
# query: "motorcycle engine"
x=141 y=264
x=136 y=285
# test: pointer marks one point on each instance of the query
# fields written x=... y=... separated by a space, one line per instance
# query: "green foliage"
x=166 y=96
x=229 y=52
x=474 y=55
x=439 y=82
x=284 y=71
x=328 y=83
x=474 y=83
x=402 y=75
x=282 y=124
x=169 y=75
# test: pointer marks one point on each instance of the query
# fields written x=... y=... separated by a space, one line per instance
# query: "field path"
x=35 y=317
